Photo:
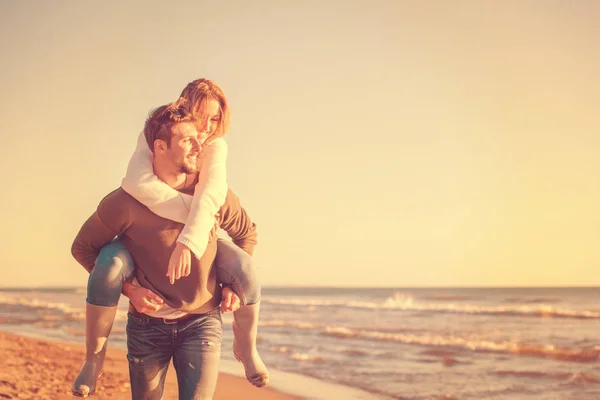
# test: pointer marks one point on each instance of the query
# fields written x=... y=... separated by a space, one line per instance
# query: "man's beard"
x=188 y=168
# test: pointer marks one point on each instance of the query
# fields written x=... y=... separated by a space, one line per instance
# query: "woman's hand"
x=229 y=300
x=213 y=231
x=180 y=262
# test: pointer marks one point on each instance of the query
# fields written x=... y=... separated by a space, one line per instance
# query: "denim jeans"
x=236 y=269
x=114 y=266
x=193 y=344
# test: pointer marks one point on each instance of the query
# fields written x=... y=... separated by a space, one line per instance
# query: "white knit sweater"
x=198 y=212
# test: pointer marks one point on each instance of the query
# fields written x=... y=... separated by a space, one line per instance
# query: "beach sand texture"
x=44 y=370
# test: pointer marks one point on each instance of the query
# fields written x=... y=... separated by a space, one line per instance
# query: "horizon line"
x=354 y=287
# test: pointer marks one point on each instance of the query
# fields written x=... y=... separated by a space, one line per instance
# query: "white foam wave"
x=70 y=312
x=469 y=343
x=36 y=303
x=281 y=349
x=292 y=324
x=306 y=357
x=590 y=354
x=407 y=303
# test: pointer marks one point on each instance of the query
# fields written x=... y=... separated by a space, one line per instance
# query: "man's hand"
x=180 y=262
x=144 y=300
x=229 y=300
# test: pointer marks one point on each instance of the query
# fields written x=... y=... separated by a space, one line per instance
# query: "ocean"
x=389 y=343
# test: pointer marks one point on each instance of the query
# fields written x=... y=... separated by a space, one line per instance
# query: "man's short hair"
x=161 y=120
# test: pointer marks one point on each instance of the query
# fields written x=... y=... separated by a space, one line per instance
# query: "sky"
x=374 y=143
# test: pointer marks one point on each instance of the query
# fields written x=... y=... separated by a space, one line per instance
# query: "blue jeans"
x=114 y=266
x=194 y=345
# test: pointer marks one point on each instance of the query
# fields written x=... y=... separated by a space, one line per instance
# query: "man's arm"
x=238 y=225
x=92 y=237
x=110 y=220
x=100 y=229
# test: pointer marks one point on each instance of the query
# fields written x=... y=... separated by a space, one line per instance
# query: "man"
x=189 y=328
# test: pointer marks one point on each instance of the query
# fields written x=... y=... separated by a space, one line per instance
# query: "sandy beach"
x=42 y=369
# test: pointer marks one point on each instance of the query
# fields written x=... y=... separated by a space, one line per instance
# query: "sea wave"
x=306 y=357
x=355 y=352
x=402 y=302
x=278 y=323
x=582 y=355
x=528 y=300
x=566 y=377
x=40 y=304
x=448 y=297
x=447 y=344
x=280 y=349
x=66 y=311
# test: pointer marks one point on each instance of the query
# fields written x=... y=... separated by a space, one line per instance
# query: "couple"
x=136 y=244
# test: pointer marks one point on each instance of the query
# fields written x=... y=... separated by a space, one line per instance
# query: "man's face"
x=185 y=148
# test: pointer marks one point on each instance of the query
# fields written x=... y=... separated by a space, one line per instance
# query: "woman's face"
x=208 y=122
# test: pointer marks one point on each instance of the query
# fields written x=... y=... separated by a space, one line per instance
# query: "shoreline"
x=44 y=369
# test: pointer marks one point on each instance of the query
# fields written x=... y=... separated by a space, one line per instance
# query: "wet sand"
x=44 y=370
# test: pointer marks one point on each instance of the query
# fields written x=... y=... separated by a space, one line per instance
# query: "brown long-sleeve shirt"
x=151 y=239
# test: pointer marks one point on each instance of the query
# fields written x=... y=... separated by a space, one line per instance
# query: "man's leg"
x=197 y=356
x=149 y=351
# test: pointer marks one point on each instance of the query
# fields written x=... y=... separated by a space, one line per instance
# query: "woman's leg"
x=235 y=268
x=113 y=267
